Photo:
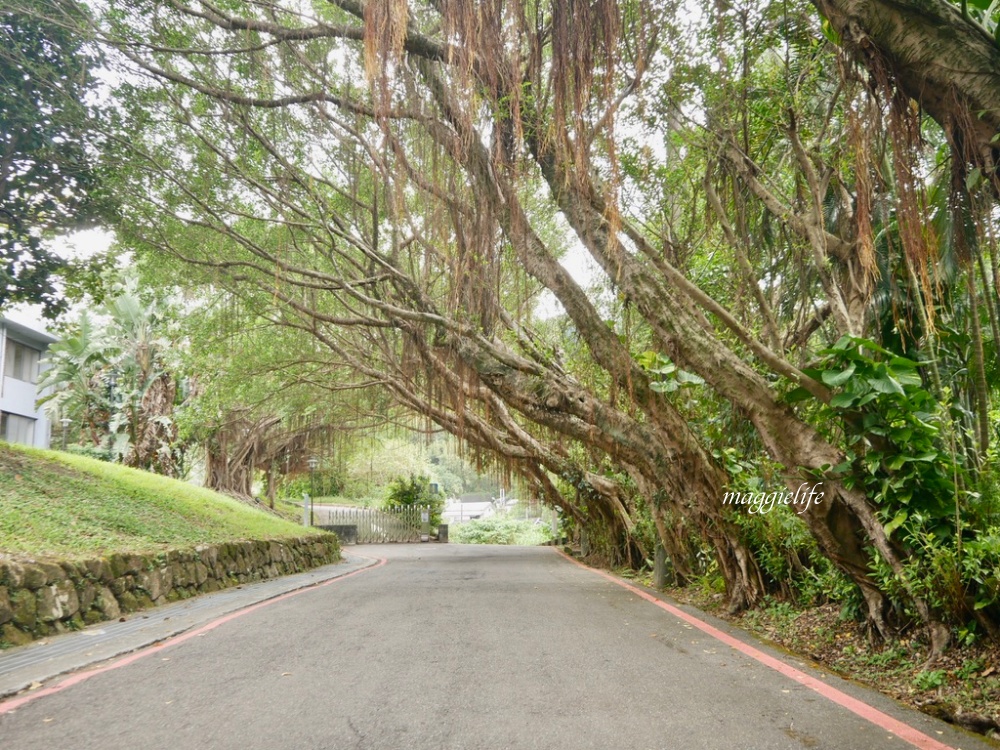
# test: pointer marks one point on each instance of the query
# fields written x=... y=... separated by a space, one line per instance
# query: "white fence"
x=405 y=523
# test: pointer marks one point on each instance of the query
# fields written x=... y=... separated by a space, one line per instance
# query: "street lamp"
x=65 y=421
x=112 y=396
x=313 y=462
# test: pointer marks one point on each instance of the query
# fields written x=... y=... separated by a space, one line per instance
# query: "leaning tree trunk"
x=668 y=453
x=845 y=525
x=917 y=44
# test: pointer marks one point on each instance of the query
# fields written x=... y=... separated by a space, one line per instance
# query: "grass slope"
x=64 y=506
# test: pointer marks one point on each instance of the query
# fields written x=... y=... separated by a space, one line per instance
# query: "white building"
x=457 y=511
x=21 y=348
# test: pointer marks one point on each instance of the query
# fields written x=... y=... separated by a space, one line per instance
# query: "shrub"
x=415 y=491
x=501 y=530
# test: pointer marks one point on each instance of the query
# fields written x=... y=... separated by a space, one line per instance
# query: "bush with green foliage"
x=316 y=484
x=899 y=448
x=501 y=530
x=415 y=491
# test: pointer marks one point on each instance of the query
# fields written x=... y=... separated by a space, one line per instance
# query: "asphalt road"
x=452 y=646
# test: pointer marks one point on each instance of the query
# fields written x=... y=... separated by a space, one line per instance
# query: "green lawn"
x=60 y=505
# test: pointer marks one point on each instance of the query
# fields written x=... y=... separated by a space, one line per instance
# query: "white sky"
x=582 y=268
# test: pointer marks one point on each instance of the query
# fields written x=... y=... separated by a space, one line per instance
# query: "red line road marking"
x=870 y=713
x=15 y=703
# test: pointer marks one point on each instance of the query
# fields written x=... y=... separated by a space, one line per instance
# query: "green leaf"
x=842 y=468
x=896 y=522
x=646 y=360
x=796 y=395
x=664 y=386
x=843 y=343
x=842 y=400
x=907 y=377
x=887 y=384
x=872 y=346
x=689 y=378
x=834 y=378
x=975 y=176
x=830 y=33
x=910 y=364
x=901 y=435
x=866 y=398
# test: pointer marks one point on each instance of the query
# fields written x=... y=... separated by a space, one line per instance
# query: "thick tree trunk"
x=233 y=453
x=154 y=432
x=919 y=43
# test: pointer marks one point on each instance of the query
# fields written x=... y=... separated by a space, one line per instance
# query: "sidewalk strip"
x=15 y=703
x=870 y=713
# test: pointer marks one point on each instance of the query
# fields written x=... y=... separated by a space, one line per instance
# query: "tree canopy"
x=799 y=269
x=49 y=147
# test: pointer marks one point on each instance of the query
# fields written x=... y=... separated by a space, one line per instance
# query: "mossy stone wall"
x=41 y=598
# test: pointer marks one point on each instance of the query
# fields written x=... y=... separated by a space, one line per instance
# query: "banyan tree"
x=767 y=207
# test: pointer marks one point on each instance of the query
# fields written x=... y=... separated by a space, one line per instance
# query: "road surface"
x=464 y=647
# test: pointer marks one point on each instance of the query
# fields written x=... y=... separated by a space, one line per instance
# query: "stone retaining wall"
x=39 y=598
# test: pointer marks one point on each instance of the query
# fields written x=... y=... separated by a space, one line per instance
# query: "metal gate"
x=377 y=525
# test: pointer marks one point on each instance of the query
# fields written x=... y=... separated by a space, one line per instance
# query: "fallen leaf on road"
x=47 y=720
x=34 y=686
x=286 y=674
